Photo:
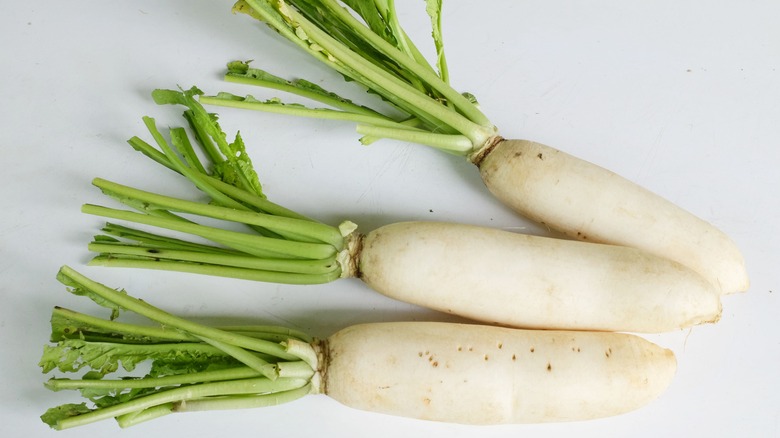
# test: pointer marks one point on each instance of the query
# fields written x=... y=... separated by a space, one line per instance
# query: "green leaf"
x=241 y=168
x=67 y=324
x=162 y=368
x=53 y=416
x=375 y=17
x=76 y=288
x=72 y=355
x=241 y=72
x=64 y=327
x=433 y=8
x=103 y=398
x=205 y=124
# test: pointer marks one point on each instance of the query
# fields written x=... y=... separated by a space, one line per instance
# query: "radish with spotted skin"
x=491 y=375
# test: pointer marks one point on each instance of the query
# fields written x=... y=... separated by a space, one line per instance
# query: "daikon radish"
x=550 y=186
x=447 y=372
x=365 y=43
x=489 y=375
x=533 y=282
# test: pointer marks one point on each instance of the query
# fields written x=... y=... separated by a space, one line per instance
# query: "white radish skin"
x=527 y=281
x=491 y=375
x=588 y=202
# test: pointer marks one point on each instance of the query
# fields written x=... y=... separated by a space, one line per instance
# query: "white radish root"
x=588 y=202
x=534 y=282
x=490 y=375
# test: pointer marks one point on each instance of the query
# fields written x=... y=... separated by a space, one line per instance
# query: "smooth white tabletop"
x=682 y=97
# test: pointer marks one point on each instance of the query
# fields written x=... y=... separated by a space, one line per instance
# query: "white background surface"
x=682 y=97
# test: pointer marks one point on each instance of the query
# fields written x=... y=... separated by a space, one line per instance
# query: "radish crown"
x=366 y=44
x=278 y=245
x=193 y=367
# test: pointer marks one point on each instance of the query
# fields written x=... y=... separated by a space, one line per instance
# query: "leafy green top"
x=192 y=366
x=365 y=42
x=279 y=245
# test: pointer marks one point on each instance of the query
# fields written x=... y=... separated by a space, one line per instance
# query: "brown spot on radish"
x=540 y=156
x=486 y=357
x=435 y=363
x=549 y=367
x=427 y=401
x=514 y=357
x=608 y=353
x=460 y=348
x=420 y=354
x=532 y=349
